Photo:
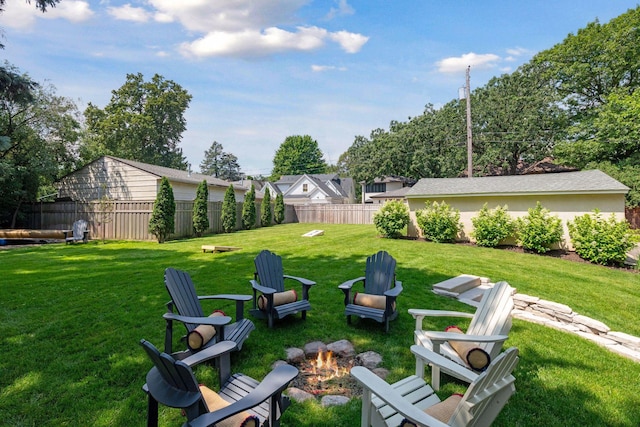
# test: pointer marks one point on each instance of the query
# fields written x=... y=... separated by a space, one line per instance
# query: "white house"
x=313 y=188
x=121 y=179
x=374 y=192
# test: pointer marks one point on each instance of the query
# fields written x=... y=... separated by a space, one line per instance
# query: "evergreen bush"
x=265 y=209
x=599 y=240
x=538 y=230
x=278 y=209
x=162 y=221
x=392 y=217
x=200 y=214
x=229 y=210
x=249 y=209
x=439 y=222
x=491 y=227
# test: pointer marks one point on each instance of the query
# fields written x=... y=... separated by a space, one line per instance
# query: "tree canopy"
x=298 y=155
x=144 y=121
x=577 y=102
x=38 y=133
x=220 y=164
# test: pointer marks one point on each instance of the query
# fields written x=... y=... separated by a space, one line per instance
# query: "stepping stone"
x=457 y=285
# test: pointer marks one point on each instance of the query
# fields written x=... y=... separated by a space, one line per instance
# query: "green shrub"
x=249 y=209
x=200 y=216
x=265 y=209
x=278 y=209
x=229 y=210
x=538 y=230
x=600 y=240
x=439 y=222
x=491 y=227
x=162 y=221
x=392 y=217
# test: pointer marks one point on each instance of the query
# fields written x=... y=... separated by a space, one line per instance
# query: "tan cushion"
x=279 y=298
x=202 y=334
x=476 y=358
x=441 y=411
x=372 y=301
x=215 y=402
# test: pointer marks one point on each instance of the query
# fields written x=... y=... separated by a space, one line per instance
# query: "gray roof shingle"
x=590 y=181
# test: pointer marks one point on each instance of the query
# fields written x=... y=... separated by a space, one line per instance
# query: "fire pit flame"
x=326 y=367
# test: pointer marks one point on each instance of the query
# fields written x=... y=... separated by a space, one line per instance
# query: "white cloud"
x=518 y=51
x=350 y=42
x=342 y=10
x=254 y=43
x=22 y=15
x=247 y=28
x=321 y=68
x=129 y=13
x=459 y=64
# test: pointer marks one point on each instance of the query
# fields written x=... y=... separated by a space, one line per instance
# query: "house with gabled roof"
x=385 y=188
x=122 y=179
x=313 y=188
x=566 y=194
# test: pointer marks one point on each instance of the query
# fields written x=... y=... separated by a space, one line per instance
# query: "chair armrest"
x=258 y=287
x=438 y=336
x=395 y=291
x=213 y=321
x=374 y=384
x=420 y=314
x=231 y=297
x=348 y=284
x=212 y=352
x=274 y=383
x=305 y=282
x=424 y=355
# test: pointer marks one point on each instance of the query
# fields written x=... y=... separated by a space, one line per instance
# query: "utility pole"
x=469 y=136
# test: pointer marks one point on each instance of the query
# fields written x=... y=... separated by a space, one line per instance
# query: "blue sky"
x=262 y=70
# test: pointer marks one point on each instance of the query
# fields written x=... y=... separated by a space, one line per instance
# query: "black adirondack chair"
x=189 y=312
x=172 y=383
x=379 y=280
x=268 y=280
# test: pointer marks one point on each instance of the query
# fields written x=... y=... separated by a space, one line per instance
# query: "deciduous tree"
x=298 y=155
x=144 y=121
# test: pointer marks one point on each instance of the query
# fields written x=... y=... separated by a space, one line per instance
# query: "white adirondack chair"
x=489 y=329
x=385 y=405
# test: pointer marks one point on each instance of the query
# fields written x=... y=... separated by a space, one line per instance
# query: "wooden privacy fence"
x=129 y=220
x=336 y=214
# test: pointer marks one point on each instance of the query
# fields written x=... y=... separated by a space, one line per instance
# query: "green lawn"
x=72 y=317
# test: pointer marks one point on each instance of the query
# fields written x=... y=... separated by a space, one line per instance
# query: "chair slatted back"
x=487 y=395
x=183 y=294
x=380 y=273
x=269 y=271
x=79 y=227
x=493 y=316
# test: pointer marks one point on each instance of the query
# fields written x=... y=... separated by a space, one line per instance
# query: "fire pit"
x=324 y=369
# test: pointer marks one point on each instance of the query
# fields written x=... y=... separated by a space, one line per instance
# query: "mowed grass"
x=72 y=317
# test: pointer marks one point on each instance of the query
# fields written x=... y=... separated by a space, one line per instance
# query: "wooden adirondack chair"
x=268 y=280
x=78 y=233
x=489 y=329
x=379 y=282
x=404 y=402
x=186 y=302
x=171 y=382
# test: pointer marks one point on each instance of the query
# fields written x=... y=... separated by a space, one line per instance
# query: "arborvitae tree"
x=278 y=209
x=265 y=209
x=229 y=210
x=249 y=209
x=162 y=221
x=200 y=216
